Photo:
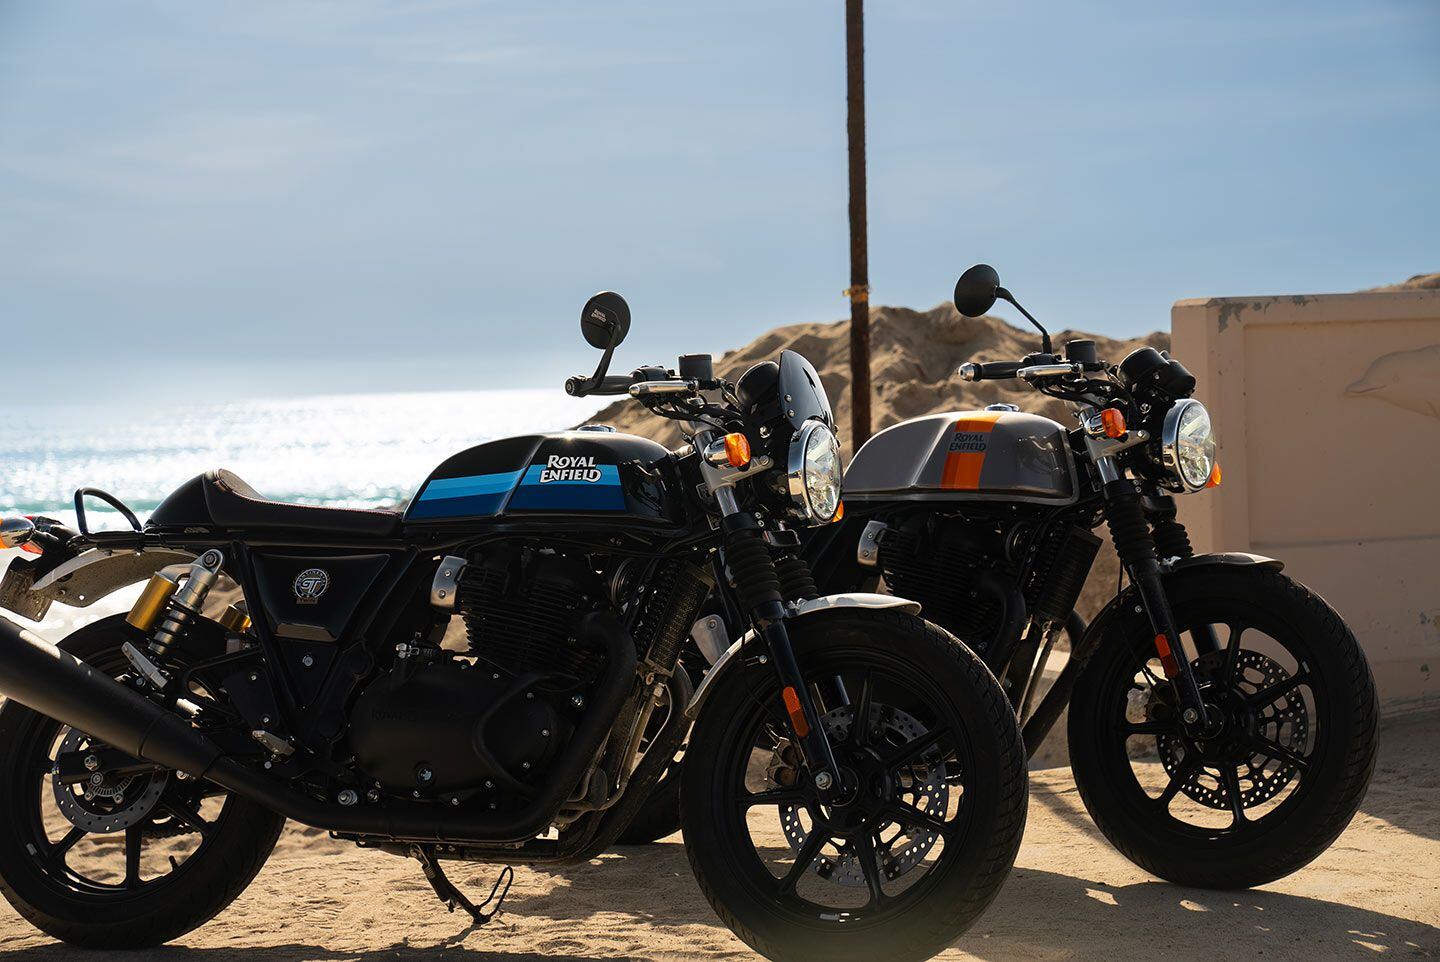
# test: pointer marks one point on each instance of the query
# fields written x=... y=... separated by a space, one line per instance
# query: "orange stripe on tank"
x=962 y=468
x=981 y=422
x=962 y=471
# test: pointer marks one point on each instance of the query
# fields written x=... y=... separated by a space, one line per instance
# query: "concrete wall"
x=1327 y=409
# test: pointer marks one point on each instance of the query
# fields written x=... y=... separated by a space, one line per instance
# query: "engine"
x=520 y=606
x=937 y=565
x=979 y=576
x=437 y=724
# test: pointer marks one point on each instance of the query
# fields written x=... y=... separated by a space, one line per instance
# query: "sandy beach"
x=1376 y=893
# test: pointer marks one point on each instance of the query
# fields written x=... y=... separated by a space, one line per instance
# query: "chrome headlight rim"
x=1170 y=444
x=797 y=468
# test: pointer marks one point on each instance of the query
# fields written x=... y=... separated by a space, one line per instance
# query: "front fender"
x=796 y=609
x=1226 y=558
x=1127 y=601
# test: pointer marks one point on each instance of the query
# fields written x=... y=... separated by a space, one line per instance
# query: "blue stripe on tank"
x=500 y=482
x=468 y=506
x=486 y=494
x=603 y=494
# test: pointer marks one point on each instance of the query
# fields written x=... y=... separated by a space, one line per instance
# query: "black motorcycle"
x=1245 y=686
x=863 y=792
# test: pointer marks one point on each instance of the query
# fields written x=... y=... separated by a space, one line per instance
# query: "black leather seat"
x=234 y=504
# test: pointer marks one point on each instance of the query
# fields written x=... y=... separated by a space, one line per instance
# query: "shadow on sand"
x=295 y=953
x=1037 y=915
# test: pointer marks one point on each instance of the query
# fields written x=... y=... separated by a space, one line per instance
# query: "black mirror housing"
x=605 y=321
x=976 y=290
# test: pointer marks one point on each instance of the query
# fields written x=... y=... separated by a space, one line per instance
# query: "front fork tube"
x=1146 y=577
x=814 y=744
x=753 y=571
x=1136 y=546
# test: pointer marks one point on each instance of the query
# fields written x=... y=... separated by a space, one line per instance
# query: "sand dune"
x=1419 y=282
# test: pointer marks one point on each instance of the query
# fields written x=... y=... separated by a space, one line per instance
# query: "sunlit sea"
x=354 y=450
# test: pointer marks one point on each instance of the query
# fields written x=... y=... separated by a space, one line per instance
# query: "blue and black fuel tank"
x=571 y=473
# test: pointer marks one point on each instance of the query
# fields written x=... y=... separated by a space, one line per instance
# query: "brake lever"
x=1049 y=370
x=642 y=389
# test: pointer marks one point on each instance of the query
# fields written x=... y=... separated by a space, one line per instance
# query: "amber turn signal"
x=737 y=450
x=839 y=511
x=1214 y=480
x=16 y=532
x=1113 y=422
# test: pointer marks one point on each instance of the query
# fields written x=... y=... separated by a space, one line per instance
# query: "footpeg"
x=446 y=891
x=147 y=668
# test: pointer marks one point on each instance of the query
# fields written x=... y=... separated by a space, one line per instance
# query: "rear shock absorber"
x=163 y=610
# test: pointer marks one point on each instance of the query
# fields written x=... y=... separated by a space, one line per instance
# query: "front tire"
x=117 y=889
x=936 y=812
x=1278 y=783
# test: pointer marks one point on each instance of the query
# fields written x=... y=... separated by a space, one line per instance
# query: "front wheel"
x=1284 y=768
x=116 y=861
x=934 y=770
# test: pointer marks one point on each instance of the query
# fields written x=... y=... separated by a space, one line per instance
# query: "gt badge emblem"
x=310 y=584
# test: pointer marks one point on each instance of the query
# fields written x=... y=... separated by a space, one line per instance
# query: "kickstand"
x=452 y=897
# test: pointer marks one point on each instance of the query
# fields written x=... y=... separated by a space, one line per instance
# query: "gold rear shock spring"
x=171 y=603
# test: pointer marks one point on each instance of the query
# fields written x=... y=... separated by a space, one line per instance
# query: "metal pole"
x=859 y=290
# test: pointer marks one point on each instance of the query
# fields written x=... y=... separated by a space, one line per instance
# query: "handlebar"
x=581 y=386
x=990 y=371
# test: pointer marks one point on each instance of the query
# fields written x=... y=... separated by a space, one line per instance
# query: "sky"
x=225 y=198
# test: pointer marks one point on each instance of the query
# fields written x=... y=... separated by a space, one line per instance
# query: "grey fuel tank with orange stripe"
x=965 y=456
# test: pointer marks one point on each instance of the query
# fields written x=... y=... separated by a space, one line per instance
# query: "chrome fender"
x=796 y=609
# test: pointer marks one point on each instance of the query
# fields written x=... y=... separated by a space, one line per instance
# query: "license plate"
x=15 y=593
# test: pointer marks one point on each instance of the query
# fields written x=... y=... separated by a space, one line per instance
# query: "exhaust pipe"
x=41 y=677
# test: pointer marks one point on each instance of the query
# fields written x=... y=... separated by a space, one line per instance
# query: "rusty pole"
x=859 y=290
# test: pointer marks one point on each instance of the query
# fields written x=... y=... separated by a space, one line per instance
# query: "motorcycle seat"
x=234 y=504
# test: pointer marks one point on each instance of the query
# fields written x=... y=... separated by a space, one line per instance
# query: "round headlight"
x=1187 y=444
x=814 y=478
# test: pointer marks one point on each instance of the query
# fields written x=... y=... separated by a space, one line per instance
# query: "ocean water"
x=353 y=450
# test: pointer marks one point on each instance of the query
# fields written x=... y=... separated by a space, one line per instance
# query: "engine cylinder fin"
x=1059 y=575
x=938 y=573
x=520 y=609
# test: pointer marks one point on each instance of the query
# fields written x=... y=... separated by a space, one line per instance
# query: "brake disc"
x=104 y=803
x=905 y=847
x=1286 y=722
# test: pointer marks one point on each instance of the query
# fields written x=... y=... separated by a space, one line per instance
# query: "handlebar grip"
x=990 y=370
x=614 y=384
x=581 y=386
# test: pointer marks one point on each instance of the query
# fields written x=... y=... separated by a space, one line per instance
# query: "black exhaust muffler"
x=41 y=677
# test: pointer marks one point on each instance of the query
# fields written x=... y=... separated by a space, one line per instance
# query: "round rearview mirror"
x=975 y=290
x=605 y=320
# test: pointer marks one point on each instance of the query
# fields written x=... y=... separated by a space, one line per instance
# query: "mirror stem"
x=1009 y=298
x=601 y=370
